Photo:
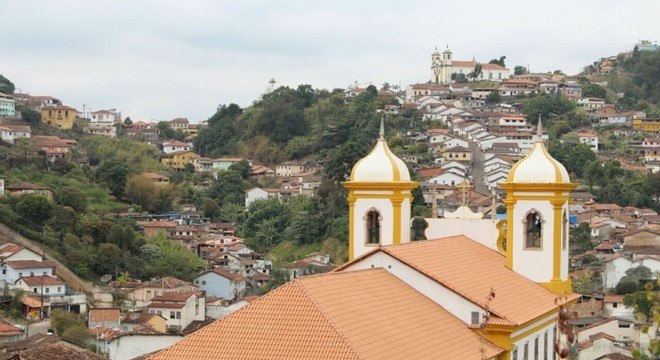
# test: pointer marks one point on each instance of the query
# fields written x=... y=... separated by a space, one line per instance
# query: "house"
x=42 y=284
x=221 y=283
x=138 y=343
x=22 y=188
x=256 y=193
x=10 y=333
x=11 y=133
x=512 y=120
x=644 y=240
x=602 y=346
x=156 y=178
x=108 y=129
x=203 y=164
x=12 y=252
x=179 y=124
x=620 y=329
x=143 y=134
x=290 y=168
x=613 y=305
x=105 y=116
x=7 y=105
x=52 y=146
x=179 y=308
x=458 y=153
x=446 y=177
x=143 y=293
x=260 y=171
x=50 y=347
x=614 y=268
x=154 y=228
x=225 y=162
x=137 y=319
x=174 y=146
x=590 y=139
x=58 y=116
x=14 y=270
x=105 y=317
x=178 y=160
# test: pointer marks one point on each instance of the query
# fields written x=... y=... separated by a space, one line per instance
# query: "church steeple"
x=379 y=199
x=537 y=200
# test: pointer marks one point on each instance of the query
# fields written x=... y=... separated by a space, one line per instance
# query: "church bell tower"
x=537 y=203
x=379 y=200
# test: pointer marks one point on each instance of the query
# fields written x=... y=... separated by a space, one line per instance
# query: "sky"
x=158 y=60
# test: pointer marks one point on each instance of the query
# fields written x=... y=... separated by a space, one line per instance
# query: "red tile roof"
x=29 y=264
x=39 y=280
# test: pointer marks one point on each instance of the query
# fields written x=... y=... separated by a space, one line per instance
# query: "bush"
x=626 y=286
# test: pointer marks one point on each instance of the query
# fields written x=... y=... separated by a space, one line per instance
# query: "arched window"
x=564 y=229
x=372 y=221
x=533 y=230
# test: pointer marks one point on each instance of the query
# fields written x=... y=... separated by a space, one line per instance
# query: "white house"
x=255 y=193
x=589 y=139
x=180 y=309
x=11 y=133
x=111 y=115
x=13 y=270
x=446 y=178
x=130 y=345
x=173 y=146
x=614 y=306
x=13 y=252
x=615 y=268
x=438 y=138
x=454 y=142
x=221 y=283
x=50 y=285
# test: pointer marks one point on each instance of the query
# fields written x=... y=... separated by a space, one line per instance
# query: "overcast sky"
x=165 y=59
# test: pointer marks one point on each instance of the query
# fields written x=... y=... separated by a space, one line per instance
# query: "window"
x=554 y=341
x=515 y=354
x=47 y=290
x=474 y=318
x=545 y=346
x=373 y=227
x=34 y=290
x=564 y=229
x=45 y=273
x=533 y=230
x=536 y=348
x=178 y=314
x=20 y=274
x=172 y=315
x=203 y=282
x=526 y=353
x=615 y=305
x=59 y=289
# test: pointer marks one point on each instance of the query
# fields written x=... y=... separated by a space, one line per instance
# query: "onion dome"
x=380 y=164
x=538 y=167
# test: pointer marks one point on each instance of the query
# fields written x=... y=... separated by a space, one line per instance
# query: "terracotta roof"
x=101 y=315
x=8 y=249
x=157 y=224
x=616 y=356
x=58 y=107
x=430 y=172
x=174 y=296
x=613 y=299
x=226 y=274
x=9 y=330
x=48 y=141
x=445 y=260
x=368 y=314
x=459 y=149
x=472 y=64
x=39 y=280
x=175 y=143
x=29 y=264
x=180 y=120
x=55 y=351
x=17 y=128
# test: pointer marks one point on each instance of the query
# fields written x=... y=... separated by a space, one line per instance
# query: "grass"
x=288 y=251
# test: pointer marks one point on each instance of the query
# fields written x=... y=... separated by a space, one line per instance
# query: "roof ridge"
x=327 y=318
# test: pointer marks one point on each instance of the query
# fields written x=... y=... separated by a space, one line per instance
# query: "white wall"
x=219 y=286
x=253 y=195
x=11 y=275
x=130 y=346
x=362 y=206
x=616 y=269
x=483 y=231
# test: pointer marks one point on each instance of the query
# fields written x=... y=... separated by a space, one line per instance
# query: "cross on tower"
x=464 y=185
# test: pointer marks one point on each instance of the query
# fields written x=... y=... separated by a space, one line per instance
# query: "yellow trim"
x=380 y=185
x=510 y=186
x=501 y=237
x=390 y=156
x=556 y=243
x=561 y=287
x=397 y=200
x=351 y=226
x=509 y=202
x=533 y=330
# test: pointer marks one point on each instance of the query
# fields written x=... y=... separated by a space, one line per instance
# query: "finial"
x=381 y=134
x=447 y=46
x=436 y=48
x=539 y=130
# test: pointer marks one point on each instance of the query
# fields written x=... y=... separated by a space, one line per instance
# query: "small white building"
x=615 y=268
x=13 y=270
x=43 y=284
x=589 y=139
x=180 y=309
x=221 y=283
x=446 y=178
x=11 y=133
x=256 y=193
x=174 y=146
x=107 y=116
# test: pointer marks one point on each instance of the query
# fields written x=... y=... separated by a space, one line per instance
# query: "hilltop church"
x=429 y=299
x=443 y=66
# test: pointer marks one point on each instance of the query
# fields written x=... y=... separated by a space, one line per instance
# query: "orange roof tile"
x=368 y=314
x=100 y=315
x=446 y=260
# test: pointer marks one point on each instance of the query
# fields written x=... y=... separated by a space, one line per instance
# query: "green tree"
x=242 y=168
x=640 y=302
x=340 y=162
x=493 y=98
x=499 y=61
x=474 y=74
x=124 y=236
x=459 y=77
x=211 y=209
x=28 y=114
x=6 y=86
x=78 y=334
x=639 y=273
x=594 y=90
x=128 y=122
x=626 y=286
x=548 y=107
x=114 y=173
x=108 y=259
x=519 y=70
x=34 y=208
x=71 y=196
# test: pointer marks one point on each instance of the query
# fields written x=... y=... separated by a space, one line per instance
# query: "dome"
x=538 y=167
x=381 y=164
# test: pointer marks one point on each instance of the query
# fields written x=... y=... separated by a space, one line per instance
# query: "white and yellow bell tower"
x=537 y=203
x=379 y=200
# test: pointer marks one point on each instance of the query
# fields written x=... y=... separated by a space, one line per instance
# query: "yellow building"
x=178 y=160
x=458 y=153
x=648 y=126
x=59 y=116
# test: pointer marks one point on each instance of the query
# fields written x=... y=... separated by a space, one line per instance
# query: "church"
x=478 y=289
x=443 y=66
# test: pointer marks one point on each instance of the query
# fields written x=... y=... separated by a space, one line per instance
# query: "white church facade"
x=478 y=289
x=443 y=66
